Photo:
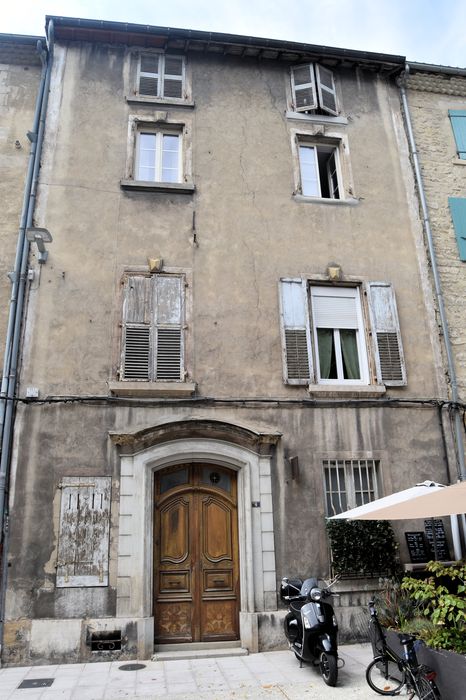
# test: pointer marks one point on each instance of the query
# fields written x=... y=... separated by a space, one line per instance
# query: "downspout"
x=458 y=428
x=16 y=308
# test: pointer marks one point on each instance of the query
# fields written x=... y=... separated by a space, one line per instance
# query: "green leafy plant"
x=362 y=548
x=440 y=599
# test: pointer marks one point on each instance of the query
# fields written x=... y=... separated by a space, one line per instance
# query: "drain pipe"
x=16 y=309
x=458 y=427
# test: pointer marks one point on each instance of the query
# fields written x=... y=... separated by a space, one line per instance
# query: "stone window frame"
x=134 y=70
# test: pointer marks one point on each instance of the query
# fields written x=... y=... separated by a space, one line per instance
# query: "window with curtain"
x=349 y=483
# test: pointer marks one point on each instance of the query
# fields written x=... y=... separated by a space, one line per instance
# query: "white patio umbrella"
x=426 y=500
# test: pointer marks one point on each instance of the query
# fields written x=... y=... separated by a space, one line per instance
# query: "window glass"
x=173 y=479
x=147 y=157
x=349 y=483
x=218 y=479
x=309 y=175
x=170 y=158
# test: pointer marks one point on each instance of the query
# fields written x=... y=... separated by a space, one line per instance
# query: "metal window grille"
x=349 y=483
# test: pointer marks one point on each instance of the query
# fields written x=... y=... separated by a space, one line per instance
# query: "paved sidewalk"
x=275 y=675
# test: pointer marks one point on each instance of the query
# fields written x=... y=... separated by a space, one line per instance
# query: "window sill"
x=316 y=118
x=350 y=201
x=138 y=99
x=150 y=389
x=148 y=186
x=353 y=391
x=459 y=161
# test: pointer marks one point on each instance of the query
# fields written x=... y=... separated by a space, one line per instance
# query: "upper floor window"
x=153 y=328
x=158 y=155
x=161 y=76
x=319 y=171
x=313 y=89
x=324 y=334
x=458 y=124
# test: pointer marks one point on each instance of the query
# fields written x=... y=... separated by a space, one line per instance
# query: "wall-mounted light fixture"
x=39 y=236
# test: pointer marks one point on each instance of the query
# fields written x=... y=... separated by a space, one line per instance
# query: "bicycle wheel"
x=425 y=689
x=384 y=676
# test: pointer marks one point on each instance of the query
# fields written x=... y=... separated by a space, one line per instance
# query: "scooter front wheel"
x=328 y=668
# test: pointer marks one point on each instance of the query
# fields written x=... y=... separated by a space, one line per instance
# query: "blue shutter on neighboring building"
x=458 y=214
x=458 y=124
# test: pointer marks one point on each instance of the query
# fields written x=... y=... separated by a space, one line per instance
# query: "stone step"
x=201 y=650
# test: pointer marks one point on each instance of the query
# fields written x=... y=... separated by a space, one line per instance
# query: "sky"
x=427 y=31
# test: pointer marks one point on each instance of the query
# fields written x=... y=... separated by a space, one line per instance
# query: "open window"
x=319 y=170
x=313 y=89
x=324 y=334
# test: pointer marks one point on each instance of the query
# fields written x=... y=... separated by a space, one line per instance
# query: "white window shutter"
x=169 y=337
x=295 y=332
x=386 y=334
x=136 y=351
x=303 y=86
x=326 y=90
x=83 y=540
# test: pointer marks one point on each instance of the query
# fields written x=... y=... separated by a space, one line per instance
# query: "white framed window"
x=349 y=483
x=313 y=89
x=319 y=170
x=158 y=156
x=338 y=334
x=153 y=343
x=325 y=330
x=161 y=76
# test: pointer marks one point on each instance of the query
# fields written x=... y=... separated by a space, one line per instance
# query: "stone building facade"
x=232 y=337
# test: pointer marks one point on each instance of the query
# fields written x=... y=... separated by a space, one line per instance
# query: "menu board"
x=443 y=553
x=419 y=550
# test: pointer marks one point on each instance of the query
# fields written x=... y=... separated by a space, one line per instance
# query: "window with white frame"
x=313 y=89
x=158 y=155
x=319 y=170
x=349 y=483
x=324 y=334
x=161 y=76
x=153 y=328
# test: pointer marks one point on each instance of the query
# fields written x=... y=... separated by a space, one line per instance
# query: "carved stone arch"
x=249 y=453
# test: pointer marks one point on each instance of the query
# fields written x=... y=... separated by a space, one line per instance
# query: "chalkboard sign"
x=419 y=550
x=443 y=553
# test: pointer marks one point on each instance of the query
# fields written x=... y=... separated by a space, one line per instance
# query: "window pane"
x=170 y=158
x=146 y=157
x=309 y=175
x=326 y=349
x=216 y=478
x=336 y=500
x=169 y=481
x=349 y=353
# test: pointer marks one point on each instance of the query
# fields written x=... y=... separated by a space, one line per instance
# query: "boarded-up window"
x=153 y=339
x=313 y=88
x=83 y=539
x=386 y=336
x=161 y=75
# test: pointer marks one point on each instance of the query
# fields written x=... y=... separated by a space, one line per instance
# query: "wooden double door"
x=196 y=562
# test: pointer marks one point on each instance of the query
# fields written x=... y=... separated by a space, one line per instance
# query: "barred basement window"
x=153 y=337
x=161 y=76
x=349 y=483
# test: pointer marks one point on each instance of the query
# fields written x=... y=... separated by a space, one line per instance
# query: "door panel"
x=196 y=576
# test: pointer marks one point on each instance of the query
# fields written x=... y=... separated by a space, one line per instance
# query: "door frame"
x=258 y=588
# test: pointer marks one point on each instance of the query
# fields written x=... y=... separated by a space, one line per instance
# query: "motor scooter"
x=311 y=626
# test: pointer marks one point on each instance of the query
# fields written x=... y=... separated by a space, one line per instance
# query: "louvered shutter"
x=296 y=341
x=169 y=340
x=83 y=539
x=136 y=355
x=458 y=124
x=303 y=87
x=173 y=76
x=386 y=334
x=326 y=90
x=149 y=76
x=458 y=214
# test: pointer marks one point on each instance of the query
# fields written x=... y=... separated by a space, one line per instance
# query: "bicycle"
x=388 y=672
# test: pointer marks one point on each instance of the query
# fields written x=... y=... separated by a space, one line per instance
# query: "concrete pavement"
x=275 y=675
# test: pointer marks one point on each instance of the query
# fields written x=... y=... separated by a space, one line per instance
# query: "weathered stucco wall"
x=444 y=175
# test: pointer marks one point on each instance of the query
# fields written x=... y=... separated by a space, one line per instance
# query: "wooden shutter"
x=326 y=90
x=458 y=124
x=173 y=76
x=136 y=355
x=303 y=87
x=149 y=77
x=83 y=539
x=296 y=339
x=386 y=334
x=458 y=214
x=169 y=340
